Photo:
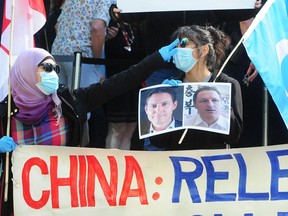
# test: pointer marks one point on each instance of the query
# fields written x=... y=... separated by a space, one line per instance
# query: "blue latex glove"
x=168 y=51
x=7 y=144
x=172 y=82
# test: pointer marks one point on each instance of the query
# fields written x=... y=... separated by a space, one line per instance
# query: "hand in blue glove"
x=7 y=144
x=172 y=82
x=168 y=51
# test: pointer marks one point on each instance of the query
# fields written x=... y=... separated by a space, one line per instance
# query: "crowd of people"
x=98 y=30
x=168 y=47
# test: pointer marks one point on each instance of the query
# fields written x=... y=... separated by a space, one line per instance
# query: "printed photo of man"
x=160 y=105
x=207 y=101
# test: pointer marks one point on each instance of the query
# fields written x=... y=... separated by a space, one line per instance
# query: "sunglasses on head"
x=48 y=67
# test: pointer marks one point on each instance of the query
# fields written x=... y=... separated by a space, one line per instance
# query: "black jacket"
x=198 y=139
x=77 y=103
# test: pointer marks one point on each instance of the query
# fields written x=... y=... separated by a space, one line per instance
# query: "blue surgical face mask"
x=49 y=82
x=184 y=60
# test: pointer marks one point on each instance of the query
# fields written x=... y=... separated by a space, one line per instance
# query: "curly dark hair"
x=217 y=41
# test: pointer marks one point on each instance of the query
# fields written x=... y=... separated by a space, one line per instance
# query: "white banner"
x=87 y=181
x=132 y=6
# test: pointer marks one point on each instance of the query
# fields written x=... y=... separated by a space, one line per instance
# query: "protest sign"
x=201 y=106
x=74 y=181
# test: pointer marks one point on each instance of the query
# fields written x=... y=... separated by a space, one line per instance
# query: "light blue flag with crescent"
x=266 y=43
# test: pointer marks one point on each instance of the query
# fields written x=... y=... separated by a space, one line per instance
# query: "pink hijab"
x=32 y=103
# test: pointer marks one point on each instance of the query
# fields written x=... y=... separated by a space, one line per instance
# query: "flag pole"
x=265 y=116
x=7 y=164
x=218 y=74
x=228 y=58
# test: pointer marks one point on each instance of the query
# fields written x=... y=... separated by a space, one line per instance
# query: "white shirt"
x=196 y=120
x=170 y=126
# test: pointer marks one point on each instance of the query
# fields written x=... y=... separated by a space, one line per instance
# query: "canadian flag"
x=29 y=17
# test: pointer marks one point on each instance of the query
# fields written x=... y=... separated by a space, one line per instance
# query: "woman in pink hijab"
x=46 y=113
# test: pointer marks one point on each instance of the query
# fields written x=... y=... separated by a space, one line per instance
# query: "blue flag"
x=266 y=42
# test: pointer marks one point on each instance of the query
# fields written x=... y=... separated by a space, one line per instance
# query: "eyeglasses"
x=48 y=67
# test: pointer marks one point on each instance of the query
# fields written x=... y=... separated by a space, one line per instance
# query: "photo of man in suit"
x=160 y=105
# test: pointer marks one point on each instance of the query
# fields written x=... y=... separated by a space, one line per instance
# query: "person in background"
x=39 y=37
x=199 y=55
x=81 y=27
x=123 y=50
x=51 y=23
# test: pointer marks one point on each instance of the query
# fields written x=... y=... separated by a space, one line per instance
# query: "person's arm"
x=251 y=72
x=244 y=25
x=117 y=16
x=99 y=21
x=237 y=15
x=98 y=29
x=100 y=93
